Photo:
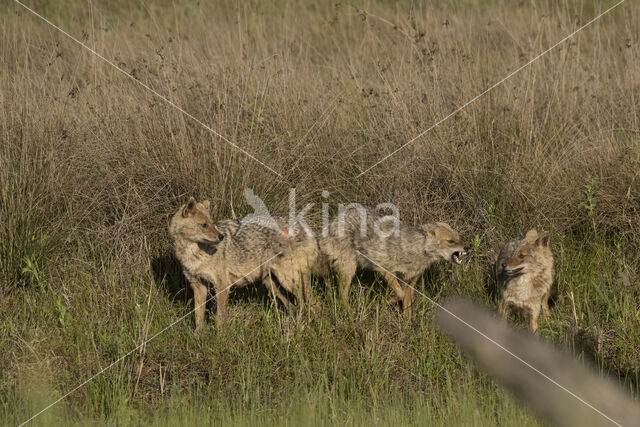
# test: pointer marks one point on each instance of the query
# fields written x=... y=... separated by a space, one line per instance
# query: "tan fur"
x=525 y=274
x=236 y=254
x=405 y=255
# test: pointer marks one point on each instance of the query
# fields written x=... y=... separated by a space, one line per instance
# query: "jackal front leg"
x=396 y=286
x=407 y=299
x=199 y=298
x=545 y=303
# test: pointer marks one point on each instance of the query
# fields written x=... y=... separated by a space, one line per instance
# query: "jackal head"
x=445 y=242
x=192 y=223
x=532 y=255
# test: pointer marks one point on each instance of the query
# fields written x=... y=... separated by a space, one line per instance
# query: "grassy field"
x=92 y=165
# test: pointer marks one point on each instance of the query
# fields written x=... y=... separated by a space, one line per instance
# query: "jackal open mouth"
x=210 y=246
x=512 y=272
x=456 y=257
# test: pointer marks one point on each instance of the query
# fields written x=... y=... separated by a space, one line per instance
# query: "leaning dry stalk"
x=586 y=400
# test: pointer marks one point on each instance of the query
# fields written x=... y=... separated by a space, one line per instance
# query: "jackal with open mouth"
x=361 y=237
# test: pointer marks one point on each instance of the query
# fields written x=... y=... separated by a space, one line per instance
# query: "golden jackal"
x=360 y=237
x=230 y=253
x=525 y=275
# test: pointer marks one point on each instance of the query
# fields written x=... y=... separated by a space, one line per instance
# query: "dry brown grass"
x=321 y=96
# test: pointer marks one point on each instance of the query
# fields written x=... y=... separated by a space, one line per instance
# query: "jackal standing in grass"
x=231 y=253
x=361 y=237
x=524 y=271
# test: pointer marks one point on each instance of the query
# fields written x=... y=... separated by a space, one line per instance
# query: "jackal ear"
x=544 y=240
x=531 y=235
x=190 y=208
x=429 y=229
x=206 y=204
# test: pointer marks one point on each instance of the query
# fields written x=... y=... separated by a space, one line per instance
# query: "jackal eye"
x=205 y=225
x=451 y=241
x=521 y=256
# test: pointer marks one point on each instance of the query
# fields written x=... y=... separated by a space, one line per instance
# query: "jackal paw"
x=393 y=299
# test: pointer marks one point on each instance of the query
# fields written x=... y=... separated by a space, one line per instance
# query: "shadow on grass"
x=168 y=276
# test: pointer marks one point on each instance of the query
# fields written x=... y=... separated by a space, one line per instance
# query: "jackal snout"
x=449 y=243
x=529 y=257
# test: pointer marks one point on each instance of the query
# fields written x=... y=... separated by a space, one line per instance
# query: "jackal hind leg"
x=314 y=304
x=287 y=277
x=346 y=272
x=222 y=288
x=272 y=286
x=296 y=287
x=395 y=286
x=407 y=298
